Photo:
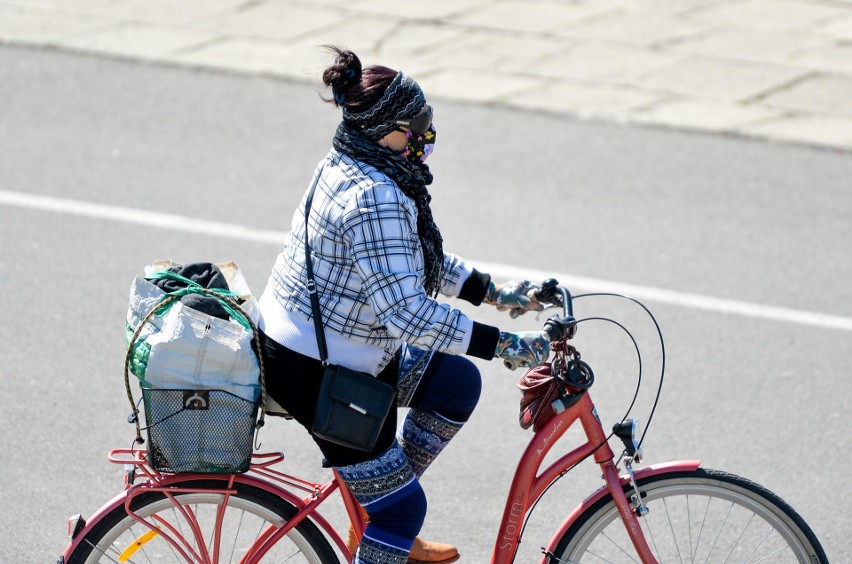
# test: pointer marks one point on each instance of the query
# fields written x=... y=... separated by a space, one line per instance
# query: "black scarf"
x=412 y=179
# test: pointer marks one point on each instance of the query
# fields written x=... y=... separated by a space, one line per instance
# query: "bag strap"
x=193 y=287
x=312 y=287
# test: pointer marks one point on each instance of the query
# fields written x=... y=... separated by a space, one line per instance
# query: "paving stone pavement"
x=774 y=69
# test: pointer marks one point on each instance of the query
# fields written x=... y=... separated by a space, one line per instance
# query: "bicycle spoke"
x=740 y=522
x=239 y=528
x=616 y=545
x=212 y=535
x=721 y=528
x=736 y=544
x=162 y=520
x=140 y=540
x=671 y=528
x=177 y=519
x=647 y=526
x=689 y=529
x=766 y=536
x=192 y=528
x=102 y=552
x=134 y=535
x=295 y=554
x=174 y=531
x=215 y=540
x=701 y=529
x=590 y=553
x=197 y=533
x=123 y=550
x=768 y=556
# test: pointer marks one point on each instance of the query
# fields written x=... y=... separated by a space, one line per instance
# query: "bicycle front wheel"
x=249 y=513
x=700 y=516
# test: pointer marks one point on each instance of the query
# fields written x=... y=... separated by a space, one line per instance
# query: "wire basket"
x=205 y=431
x=199 y=431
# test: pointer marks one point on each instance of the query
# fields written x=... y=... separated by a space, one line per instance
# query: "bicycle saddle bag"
x=539 y=390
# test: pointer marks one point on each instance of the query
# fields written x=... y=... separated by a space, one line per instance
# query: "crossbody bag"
x=352 y=406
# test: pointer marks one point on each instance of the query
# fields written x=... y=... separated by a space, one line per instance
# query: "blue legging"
x=451 y=386
x=387 y=486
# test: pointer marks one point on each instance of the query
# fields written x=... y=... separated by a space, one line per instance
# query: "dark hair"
x=352 y=87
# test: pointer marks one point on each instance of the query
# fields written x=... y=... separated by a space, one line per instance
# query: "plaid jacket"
x=368 y=266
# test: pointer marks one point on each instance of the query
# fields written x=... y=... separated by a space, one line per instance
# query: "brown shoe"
x=428 y=552
x=352 y=541
x=422 y=552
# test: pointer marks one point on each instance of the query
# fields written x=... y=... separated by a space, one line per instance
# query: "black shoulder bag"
x=352 y=406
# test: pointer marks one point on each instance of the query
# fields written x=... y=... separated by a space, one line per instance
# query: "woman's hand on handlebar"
x=523 y=349
x=530 y=348
x=516 y=296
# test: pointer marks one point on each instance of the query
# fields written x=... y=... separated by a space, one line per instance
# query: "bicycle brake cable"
x=638 y=358
x=662 y=352
x=632 y=403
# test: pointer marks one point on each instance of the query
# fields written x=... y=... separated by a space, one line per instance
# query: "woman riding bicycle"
x=378 y=263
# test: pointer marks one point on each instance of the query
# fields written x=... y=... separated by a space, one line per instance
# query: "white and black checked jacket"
x=368 y=266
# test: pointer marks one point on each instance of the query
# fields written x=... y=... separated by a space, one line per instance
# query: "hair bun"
x=350 y=71
x=342 y=74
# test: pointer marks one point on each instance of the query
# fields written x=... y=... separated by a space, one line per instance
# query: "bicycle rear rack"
x=135 y=462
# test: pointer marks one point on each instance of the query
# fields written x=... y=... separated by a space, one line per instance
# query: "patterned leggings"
x=442 y=391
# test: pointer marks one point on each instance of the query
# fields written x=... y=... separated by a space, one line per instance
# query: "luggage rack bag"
x=203 y=419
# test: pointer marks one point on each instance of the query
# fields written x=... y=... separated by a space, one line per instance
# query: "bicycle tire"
x=698 y=516
x=120 y=538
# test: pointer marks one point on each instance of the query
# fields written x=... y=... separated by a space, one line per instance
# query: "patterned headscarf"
x=403 y=99
x=357 y=137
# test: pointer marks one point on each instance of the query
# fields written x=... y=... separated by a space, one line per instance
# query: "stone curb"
x=777 y=70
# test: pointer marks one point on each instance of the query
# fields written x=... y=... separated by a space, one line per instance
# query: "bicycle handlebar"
x=557 y=328
x=560 y=328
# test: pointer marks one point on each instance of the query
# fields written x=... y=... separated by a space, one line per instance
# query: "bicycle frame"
x=531 y=480
x=528 y=485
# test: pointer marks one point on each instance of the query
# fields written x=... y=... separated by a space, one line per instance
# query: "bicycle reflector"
x=626 y=431
x=75 y=525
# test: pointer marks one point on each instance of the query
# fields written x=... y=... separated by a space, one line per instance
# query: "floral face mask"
x=419 y=146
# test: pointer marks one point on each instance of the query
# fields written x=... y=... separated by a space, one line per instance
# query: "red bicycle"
x=666 y=512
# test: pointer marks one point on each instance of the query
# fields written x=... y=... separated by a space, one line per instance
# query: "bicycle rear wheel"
x=250 y=512
x=701 y=516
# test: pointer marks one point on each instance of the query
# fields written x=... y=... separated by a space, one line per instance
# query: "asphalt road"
x=88 y=145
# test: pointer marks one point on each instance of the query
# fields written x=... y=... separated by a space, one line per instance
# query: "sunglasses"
x=418 y=124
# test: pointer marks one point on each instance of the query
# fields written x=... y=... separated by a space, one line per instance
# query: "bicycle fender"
x=120 y=499
x=91 y=521
x=653 y=470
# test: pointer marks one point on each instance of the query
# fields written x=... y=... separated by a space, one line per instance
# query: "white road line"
x=140 y=217
x=684 y=299
x=233 y=231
